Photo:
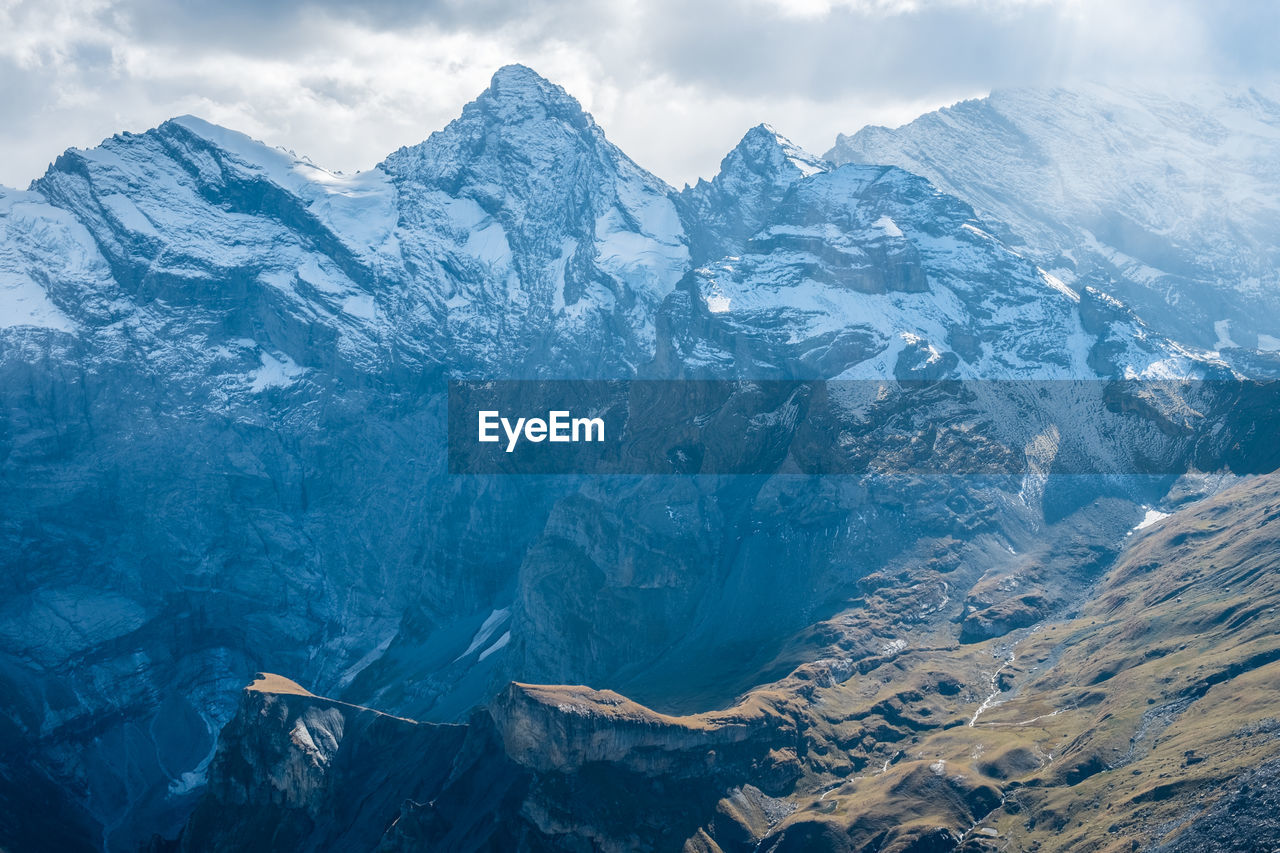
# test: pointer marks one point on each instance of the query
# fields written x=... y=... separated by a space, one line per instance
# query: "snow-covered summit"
x=559 y=240
x=764 y=149
x=1168 y=201
x=871 y=272
x=519 y=240
x=753 y=178
x=517 y=126
x=517 y=92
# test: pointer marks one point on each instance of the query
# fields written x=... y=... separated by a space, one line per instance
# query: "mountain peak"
x=522 y=78
x=763 y=148
x=521 y=109
x=518 y=93
x=752 y=180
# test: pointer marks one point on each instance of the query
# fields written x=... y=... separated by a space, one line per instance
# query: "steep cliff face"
x=222 y=438
x=295 y=771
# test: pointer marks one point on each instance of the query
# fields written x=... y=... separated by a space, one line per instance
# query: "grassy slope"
x=1112 y=729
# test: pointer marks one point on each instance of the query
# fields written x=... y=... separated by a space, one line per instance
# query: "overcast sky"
x=674 y=82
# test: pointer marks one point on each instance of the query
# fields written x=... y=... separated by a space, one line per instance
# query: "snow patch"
x=1153 y=516
x=717 y=304
x=25 y=303
x=490 y=624
x=274 y=373
x=486 y=239
x=1058 y=285
x=128 y=215
x=370 y=658
x=1222 y=328
x=361 y=306
x=888 y=226
x=501 y=644
x=893 y=647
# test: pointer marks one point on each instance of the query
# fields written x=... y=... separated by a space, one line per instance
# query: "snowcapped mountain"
x=222 y=432
x=866 y=272
x=548 y=219
x=730 y=208
x=457 y=249
x=863 y=272
x=1167 y=202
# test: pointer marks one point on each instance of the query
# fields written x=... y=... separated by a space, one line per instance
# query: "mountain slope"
x=1168 y=202
x=1139 y=716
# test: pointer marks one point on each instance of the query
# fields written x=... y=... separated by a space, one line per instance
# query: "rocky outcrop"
x=297 y=772
x=543 y=768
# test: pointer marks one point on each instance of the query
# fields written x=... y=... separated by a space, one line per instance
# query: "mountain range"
x=223 y=375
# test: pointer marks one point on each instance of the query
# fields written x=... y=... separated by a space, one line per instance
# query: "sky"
x=675 y=83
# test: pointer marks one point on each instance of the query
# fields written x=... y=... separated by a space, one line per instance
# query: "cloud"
x=674 y=83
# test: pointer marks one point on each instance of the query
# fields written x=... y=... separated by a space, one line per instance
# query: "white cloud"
x=675 y=84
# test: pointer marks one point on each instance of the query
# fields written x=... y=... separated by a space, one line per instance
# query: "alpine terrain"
x=1001 y=577
x=1167 y=202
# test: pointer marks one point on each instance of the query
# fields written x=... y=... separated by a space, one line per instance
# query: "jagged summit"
x=578 y=241
x=518 y=92
x=520 y=110
x=752 y=180
x=764 y=148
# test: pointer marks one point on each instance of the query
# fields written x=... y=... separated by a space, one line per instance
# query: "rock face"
x=222 y=433
x=294 y=771
x=1164 y=201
